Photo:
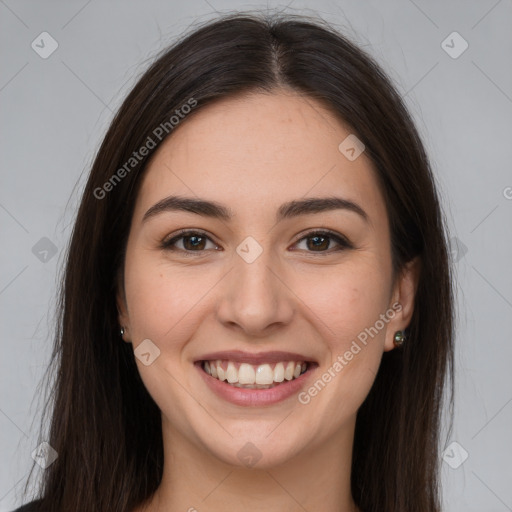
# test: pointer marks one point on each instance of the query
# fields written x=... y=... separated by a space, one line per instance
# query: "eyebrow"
x=287 y=210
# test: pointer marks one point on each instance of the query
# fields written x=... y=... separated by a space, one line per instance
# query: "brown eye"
x=320 y=241
x=192 y=241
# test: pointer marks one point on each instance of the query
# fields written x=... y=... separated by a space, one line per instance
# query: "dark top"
x=30 y=507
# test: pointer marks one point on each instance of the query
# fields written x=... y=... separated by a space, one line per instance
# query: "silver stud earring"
x=399 y=338
x=122 y=331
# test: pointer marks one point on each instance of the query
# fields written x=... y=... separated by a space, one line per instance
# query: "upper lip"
x=254 y=358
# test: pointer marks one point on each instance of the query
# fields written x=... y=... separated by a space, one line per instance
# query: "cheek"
x=161 y=310
x=150 y=304
x=160 y=302
x=345 y=301
x=347 y=309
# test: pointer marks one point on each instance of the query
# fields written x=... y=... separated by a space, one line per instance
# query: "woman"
x=257 y=306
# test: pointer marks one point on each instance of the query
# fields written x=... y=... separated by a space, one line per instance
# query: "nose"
x=254 y=297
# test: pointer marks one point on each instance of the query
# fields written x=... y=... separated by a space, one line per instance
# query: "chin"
x=255 y=446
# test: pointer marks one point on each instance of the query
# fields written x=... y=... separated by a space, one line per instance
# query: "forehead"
x=260 y=150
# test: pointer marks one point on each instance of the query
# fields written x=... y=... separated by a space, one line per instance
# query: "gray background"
x=55 y=111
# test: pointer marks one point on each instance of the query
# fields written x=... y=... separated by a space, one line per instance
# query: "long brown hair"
x=104 y=425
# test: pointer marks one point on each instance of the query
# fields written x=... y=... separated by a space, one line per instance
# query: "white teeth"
x=279 y=372
x=246 y=374
x=232 y=374
x=288 y=373
x=252 y=376
x=264 y=374
x=221 y=374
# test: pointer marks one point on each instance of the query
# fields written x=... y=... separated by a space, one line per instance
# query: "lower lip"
x=254 y=397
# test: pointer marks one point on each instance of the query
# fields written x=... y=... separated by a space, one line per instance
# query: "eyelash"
x=342 y=241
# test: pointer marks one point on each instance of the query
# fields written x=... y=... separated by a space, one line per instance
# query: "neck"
x=194 y=480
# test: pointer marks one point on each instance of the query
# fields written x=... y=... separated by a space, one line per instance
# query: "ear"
x=402 y=300
x=122 y=308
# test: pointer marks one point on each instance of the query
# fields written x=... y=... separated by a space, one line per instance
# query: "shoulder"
x=33 y=506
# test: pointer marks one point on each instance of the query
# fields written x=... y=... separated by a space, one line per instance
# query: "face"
x=266 y=290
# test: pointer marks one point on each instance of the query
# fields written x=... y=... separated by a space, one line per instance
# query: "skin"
x=252 y=154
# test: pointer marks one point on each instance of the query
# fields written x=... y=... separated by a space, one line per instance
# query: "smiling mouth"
x=255 y=376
